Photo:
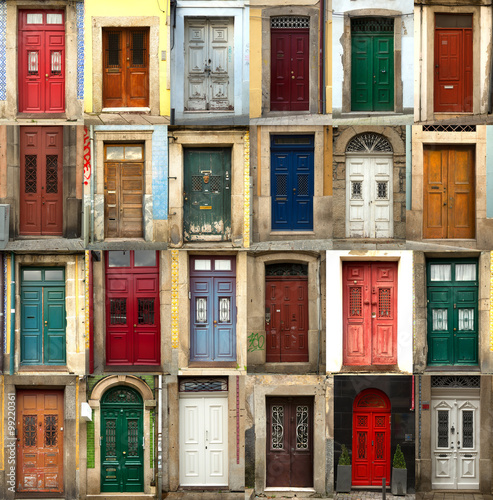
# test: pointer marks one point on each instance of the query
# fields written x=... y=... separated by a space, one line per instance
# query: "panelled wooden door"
x=209 y=64
x=289 y=442
x=43 y=317
x=290 y=56
x=39 y=441
x=370 y=313
x=452 y=295
x=41 y=181
x=124 y=191
x=207 y=195
x=453 y=63
x=132 y=308
x=125 y=67
x=122 y=441
x=286 y=326
x=455 y=440
x=449 y=208
x=372 y=64
x=204 y=440
x=371 y=439
x=292 y=183
x=41 y=61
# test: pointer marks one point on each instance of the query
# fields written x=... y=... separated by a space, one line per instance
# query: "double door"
x=455 y=441
x=369 y=206
x=204 y=440
x=125 y=67
x=289 y=442
x=41 y=181
x=41 y=61
x=449 y=209
x=209 y=64
x=370 y=313
x=39 y=441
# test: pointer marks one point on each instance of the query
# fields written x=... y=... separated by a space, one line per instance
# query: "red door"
x=39 y=441
x=371 y=439
x=132 y=308
x=286 y=326
x=41 y=181
x=453 y=63
x=370 y=313
x=41 y=61
x=290 y=69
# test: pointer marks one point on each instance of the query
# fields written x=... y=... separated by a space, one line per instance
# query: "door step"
x=121 y=496
x=205 y=495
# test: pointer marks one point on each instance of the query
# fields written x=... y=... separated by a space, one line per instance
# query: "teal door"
x=452 y=312
x=122 y=441
x=43 y=319
x=207 y=195
x=372 y=64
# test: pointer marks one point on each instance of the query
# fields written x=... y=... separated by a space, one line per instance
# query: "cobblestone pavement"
x=450 y=495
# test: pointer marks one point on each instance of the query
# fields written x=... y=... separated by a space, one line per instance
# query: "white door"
x=204 y=441
x=369 y=212
x=455 y=443
x=209 y=62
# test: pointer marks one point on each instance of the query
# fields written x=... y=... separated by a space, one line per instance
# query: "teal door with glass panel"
x=372 y=64
x=43 y=319
x=452 y=312
x=122 y=441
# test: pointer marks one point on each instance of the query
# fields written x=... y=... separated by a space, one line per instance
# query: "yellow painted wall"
x=255 y=63
x=328 y=65
x=123 y=8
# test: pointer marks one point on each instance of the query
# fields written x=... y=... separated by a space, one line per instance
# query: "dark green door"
x=43 y=320
x=372 y=64
x=207 y=195
x=452 y=312
x=122 y=441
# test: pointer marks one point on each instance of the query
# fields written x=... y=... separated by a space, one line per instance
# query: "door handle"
x=124 y=452
x=293 y=77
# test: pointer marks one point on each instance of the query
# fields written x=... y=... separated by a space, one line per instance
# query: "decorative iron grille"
x=30 y=176
x=110 y=438
x=56 y=62
x=286 y=269
x=455 y=381
x=52 y=174
x=277 y=427
x=146 y=311
x=442 y=429
x=122 y=395
x=355 y=305
x=449 y=128
x=440 y=319
x=215 y=183
x=369 y=143
x=290 y=22
x=113 y=50
x=362 y=421
x=382 y=191
x=139 y=51
x=303 y=187
x=356 y=190
x=384 y=303
x=32 y=63
x=467 y=429
x=361 y=444
x=302 y=427
x=30 y=422
x=196 y=183
x=281 y=185
x=200 y=309
x=372 y=25
x=380 y=421
x=51 y=430
x=203 y=384
x=379 y=445
x=133 y=438
x=224 y=310
x=118 y=311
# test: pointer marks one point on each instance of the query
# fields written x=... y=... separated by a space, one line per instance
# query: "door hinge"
x=455 y=306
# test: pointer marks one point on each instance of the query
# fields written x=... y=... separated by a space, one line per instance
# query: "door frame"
x=347 y=55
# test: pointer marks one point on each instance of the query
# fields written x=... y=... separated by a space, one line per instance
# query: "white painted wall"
x=339 y=8
x=404 y=304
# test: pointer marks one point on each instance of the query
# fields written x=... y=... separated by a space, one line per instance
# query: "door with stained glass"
x=289 y=442
x=452 y=294
x=122 y=441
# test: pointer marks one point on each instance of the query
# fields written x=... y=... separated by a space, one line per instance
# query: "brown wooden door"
x=125 y=68
x=449 y=209
x=40 y=441
x=370 y=313
x=289 y=442
x=286 y=305
x=124 y=191
x=41 y=181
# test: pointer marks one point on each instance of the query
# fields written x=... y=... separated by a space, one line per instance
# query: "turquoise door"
x=43 y=319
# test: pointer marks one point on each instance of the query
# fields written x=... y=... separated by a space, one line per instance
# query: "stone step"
x=205 y=495
x=121 y=496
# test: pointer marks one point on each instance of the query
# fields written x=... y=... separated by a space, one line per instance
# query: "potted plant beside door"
x=399 y=473
x=344 y=472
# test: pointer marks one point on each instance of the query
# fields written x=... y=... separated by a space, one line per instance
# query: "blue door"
x=292 y=182
x=213 y=310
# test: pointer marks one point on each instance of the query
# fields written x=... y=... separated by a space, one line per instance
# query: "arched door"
x=122 y=441
x=369 y=200
x=371 y=438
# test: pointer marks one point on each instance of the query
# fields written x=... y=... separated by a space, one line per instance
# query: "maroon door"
x=371 y=439
x=286 y=326
x=370 y=313
x=41 y=181
x=453 y=63
x=132 y=308
x=41 y=61
x=290 y=442
x=290 y=69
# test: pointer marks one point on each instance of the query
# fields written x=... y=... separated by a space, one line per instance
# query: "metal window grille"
x=32 y=62
x=277 y=430
x=286 y=269
x=355 y=305
x=30 y=175
x=122 y=395
x=382 y=190
x=56 y=62
x=281 y=185
x=139 y=51
x=118 y=311
x=290 y=22
x=361 y=444
x=369 y=143
x=372 y=24
x=303 y=187
x=356 y=190
x=215 y=183
x=449 y=128
x=442 y=429
x=52 y=174
x=467 y=429
x=30 y=430
x=302 y=427
x=455 y=381
x=51 y=430
x=380 y=445
x=146 y=311
x=133 y=438
x=203 y=384
x=110 y=436
x=113 y=50
x=384 y=303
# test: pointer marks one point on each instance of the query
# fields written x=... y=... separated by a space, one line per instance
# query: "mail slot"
x=448 y=86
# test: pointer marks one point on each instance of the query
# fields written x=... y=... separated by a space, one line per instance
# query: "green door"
x=207 y=195
x=372 y=64
x=122 y=441
x=452 y=312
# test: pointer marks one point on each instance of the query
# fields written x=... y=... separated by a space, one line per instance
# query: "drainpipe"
x=160 y=437
x=2 y=280
x=409 y=173
x=12 y=312
x=319 y=262
x=93 y=172
x=420 y=57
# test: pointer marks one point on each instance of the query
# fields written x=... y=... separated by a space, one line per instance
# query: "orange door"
x=40 y=441
x=449 y=192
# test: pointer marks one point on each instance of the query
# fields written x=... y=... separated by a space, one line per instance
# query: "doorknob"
x=293 y=77
x=46 y=321
x=124 y=452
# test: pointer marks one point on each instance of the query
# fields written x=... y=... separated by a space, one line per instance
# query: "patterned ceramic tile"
x=80 y=49
x=3 y=55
